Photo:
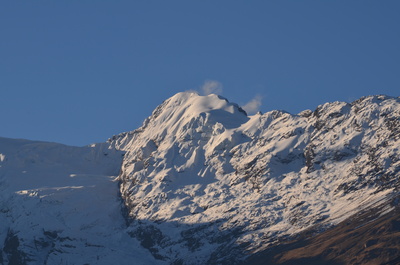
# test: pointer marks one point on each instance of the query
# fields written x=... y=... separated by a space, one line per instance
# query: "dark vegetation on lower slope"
x=367 y=238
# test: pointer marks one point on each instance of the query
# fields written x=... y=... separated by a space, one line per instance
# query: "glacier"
x=60 y=205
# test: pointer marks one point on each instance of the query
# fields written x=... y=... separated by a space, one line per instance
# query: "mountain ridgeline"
x=205 y=183
x=201 y=182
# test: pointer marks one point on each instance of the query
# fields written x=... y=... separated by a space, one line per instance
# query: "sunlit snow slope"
x=61 y=205
x=205 y=183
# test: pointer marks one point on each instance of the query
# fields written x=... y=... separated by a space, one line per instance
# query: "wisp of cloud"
x=253 y=105
x=211 y=87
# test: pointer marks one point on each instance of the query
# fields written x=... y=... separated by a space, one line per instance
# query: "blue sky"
x=78 y=72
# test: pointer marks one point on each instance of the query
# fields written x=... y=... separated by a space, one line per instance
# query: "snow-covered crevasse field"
x=61 y=205
x=208 y=184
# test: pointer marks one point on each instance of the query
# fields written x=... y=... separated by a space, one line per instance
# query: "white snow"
x=69 y=192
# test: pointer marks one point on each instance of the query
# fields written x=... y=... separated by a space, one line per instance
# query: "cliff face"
x=204 y=182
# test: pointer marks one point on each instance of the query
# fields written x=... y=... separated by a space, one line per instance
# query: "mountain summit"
x=201 y=182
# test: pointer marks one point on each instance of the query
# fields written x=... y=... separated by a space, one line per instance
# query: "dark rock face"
x=14 y=255
x=366 y=238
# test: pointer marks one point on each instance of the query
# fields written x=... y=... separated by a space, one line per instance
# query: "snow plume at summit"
x=216 y=87
x=253 y=105
x=211 y=87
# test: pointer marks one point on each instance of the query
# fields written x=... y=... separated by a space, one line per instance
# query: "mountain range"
x=202 y=182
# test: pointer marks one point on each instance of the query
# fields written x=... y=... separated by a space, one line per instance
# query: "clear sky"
x=78 y=72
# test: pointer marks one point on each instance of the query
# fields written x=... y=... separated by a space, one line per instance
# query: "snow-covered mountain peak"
x=199 y=163
x=183 y=116
x=184 y=107
x=196 y=104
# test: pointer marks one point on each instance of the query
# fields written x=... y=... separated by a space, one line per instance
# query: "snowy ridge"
x=206 y=183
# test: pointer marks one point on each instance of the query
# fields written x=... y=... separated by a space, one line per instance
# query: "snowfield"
x=61 y=205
